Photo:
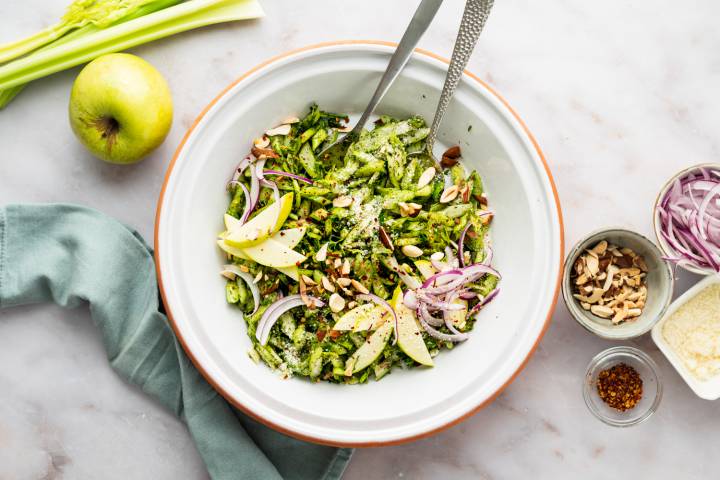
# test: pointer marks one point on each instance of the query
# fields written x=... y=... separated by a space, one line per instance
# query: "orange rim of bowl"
x=280 y=428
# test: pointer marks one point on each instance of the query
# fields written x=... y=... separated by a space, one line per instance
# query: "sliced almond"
x=450 y=157
x=593 y=265
x=600 y=248
x=437 y=256
x=290 y=120
x=321 y=254
x=612 y=270
x=465 y=193
x=344 y=129
x=327 y=284
x=359 y=286
x=602 y=311
x=258 y=277
x=261 y=142
x=228 y=274
x=336 y=302
x=263 y=153
x=409 y=209
x=342 y=201
x=279 y=130
x=343 y=282
x=426 y=177
x=337 y=263
x=345 y=267
x=308 y=280
x=411 y=251
x=449 y=194
x=385 y=239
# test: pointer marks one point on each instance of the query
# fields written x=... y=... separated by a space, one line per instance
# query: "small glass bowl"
x=652 y=387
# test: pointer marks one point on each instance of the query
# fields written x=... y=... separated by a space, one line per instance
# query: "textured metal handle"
x=419 y=23
x=473 y=21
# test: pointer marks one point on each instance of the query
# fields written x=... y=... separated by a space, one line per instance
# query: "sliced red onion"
x=254 y=193
x=273 y=185
x=275 y=311
x=410 y=300
x=442 y=278
x=461 y=244
x=459 y=337
x=287 y=174
x=424 y=314
x=489 y=298
x=369 y=297
x=249 y=280
x=438 y=303
x=239 y=170
x=440 y=266
x=248 y=203
x=260 y=168
x=689 y=214
x=468 y=295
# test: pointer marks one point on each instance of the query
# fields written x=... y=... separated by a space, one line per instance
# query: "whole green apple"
x=120 y=108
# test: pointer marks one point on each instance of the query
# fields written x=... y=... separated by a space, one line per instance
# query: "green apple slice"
x=263 y=225
x=360 y=318
x=458 y=317
x=231 y=223
x=290 y=237
x=274 y=254
x=370 y=350
x=426 y=269
x=292 y=272
x=410 y=339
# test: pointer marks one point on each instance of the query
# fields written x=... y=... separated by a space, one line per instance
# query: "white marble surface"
x=619 y=94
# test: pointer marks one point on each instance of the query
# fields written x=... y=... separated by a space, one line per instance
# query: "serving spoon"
x=471 y=26
x=418 y=25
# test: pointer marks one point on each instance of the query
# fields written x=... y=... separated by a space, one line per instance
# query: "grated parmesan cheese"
x=693 y=331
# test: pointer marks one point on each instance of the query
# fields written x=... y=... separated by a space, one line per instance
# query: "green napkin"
x=71 y=255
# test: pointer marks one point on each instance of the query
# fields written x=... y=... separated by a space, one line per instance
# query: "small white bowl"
x=664 y=246
x=706 y=389
x=659 y=284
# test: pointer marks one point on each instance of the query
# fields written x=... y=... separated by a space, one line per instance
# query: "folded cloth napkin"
x=70 y=255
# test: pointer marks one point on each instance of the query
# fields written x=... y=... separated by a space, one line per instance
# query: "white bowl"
x=527 y=234
x=707 y=389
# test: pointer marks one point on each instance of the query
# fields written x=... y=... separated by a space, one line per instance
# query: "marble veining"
x=620 y=95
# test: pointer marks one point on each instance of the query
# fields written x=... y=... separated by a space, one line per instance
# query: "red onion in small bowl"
x=686 y=218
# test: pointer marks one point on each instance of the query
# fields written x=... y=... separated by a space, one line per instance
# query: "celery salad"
x=350 y=264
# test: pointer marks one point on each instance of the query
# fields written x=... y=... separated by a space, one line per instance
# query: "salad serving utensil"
x=418 y=25
x=471 y=26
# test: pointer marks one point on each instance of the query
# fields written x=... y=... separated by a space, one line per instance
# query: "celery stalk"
x=80 y=13
x=7 y=95
x=16 y=49
x=169 y=21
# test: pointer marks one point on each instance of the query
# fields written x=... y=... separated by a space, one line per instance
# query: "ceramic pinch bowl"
x=659 y=283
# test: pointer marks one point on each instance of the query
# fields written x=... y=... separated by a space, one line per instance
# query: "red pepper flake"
x=620 y=387
x=320 y=335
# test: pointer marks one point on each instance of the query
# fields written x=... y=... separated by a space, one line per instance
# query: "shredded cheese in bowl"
x=693 y=332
